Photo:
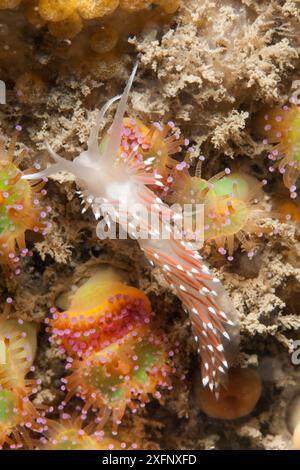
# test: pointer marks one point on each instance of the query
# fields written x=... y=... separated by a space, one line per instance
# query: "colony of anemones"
x=116 y=357
x=20 y=208
x=17 y=414
x=128 y=362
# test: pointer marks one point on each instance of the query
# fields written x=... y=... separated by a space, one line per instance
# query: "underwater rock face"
x=121 y=354
x=80 y=37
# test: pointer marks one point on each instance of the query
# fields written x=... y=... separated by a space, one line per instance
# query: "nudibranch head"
x=115 y=377
x=17 y=348
x=71 y=434
x=102 y=311
x=103 y=176
x=19 y=206
x=232 y=208
x=282 y=127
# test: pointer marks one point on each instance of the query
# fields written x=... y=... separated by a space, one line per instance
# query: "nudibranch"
x=121 y=374
x=18 y=348
x=19 y=205
x=282 y=127
x=71 y=434
x=101 y=311
x=105 y=180
x=232 y=208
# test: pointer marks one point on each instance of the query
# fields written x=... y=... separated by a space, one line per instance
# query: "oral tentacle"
x=116 y=128
x=93 y=146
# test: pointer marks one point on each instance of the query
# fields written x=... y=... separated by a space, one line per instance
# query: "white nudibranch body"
x=106 y=179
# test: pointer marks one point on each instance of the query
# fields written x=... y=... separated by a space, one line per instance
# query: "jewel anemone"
x=101 y=311
x=19 y=204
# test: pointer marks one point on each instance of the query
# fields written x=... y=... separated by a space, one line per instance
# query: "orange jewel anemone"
x=17 y=413
x=71 y=434
x=281 y=127
x=232 y=208
x=101 y=311
x=19 y=205
x=122 y=374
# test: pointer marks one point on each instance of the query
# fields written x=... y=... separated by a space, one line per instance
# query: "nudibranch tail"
x=212 y=315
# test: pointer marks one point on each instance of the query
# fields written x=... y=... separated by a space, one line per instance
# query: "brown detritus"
x=30 y=88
